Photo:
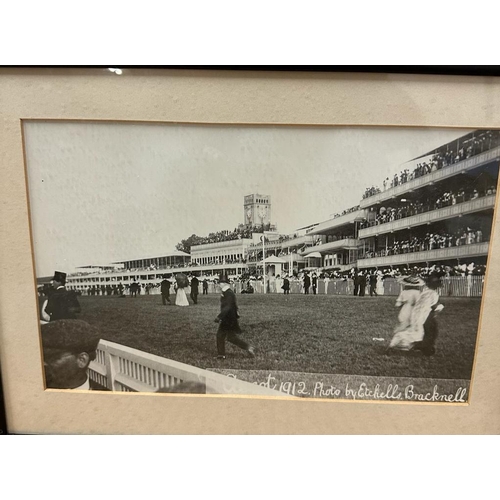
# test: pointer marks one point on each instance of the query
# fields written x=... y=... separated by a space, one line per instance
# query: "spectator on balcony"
x=69 y=345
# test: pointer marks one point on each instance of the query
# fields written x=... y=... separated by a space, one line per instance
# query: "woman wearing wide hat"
x=405 y=335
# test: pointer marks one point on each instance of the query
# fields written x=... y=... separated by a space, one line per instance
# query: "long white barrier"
x=121 y=368
x=454 y=286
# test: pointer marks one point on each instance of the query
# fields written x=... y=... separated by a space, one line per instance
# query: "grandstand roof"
x=463 y=138
x=307 y=227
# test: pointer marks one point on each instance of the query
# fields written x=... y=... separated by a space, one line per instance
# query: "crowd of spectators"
x=453 y=153
x=371 y=191
x=347 y=211
x=431 y=241
x=425 y=204
x=238 y=233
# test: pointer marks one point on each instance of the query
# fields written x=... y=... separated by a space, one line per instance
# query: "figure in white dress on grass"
x=404 y=336
x=380 y=284
x=182 y=283
x=421 y=331
x=326 y=280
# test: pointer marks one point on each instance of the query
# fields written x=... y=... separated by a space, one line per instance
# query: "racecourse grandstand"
x=438 y=211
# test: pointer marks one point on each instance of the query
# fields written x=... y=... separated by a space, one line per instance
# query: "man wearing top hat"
x=195 y=284
x=62 y=304
x=229 y=328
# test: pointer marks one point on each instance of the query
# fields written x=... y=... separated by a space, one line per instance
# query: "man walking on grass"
x=229 y=328
x=165 y=290
x=195 y=284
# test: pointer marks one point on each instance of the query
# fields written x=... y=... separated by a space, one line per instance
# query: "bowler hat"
x=59 y=277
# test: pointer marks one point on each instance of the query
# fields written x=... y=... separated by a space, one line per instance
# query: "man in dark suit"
x=229 y=328
x=356 y=282
x=195 y=283
x=62 y=303
x=307 y=283
x=362 y=284
x=314 y=283
x=205 y=287
x=373 y=284
x=165 y=291
x=286 y=286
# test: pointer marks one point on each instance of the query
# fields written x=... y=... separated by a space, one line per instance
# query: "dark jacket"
x=228 y=315
x=62 y=304
x=165 y=286
x=286 y=284
x=195 y=283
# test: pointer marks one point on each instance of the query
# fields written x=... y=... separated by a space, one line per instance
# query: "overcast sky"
x=103 y=192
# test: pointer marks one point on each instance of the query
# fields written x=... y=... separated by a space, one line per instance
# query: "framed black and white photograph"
x=196 y=251
x=338 y=263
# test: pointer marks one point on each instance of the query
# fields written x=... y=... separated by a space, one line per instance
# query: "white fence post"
x=111 y=371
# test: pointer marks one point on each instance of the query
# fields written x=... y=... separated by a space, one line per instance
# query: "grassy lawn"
x=321 y=334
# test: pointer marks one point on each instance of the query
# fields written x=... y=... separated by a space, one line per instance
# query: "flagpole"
x=264 y=261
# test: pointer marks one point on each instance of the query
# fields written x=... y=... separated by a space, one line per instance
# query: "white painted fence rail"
x=121 y=368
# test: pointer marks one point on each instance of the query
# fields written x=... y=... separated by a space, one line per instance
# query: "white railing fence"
x=454 y=286
x=121 y=368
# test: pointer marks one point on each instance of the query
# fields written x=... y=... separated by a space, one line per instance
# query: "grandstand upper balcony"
x=476 y=205
x=430 y=178
x=438 y=254
x=220 y=244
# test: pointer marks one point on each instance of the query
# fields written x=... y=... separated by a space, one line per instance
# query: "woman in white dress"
x=380 y=284
x=326 y=280
x=279 y=284
x=182 y=284
x=404 y=333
